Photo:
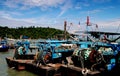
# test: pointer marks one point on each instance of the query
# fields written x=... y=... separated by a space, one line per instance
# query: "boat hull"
x=4 y=49
x=40 y=70
x=17 y=64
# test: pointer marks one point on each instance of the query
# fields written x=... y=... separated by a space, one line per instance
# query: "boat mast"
x=87 y=24
x=118 y=29
x=65 y=32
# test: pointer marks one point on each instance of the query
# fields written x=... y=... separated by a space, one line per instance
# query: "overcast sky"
x=53 y=13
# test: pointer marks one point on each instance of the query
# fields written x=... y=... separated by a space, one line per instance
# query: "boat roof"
x=98 y=32
x=52 y=41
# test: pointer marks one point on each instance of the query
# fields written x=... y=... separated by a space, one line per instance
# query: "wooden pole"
x=65 y=32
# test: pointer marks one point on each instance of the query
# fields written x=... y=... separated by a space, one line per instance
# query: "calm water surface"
x=6 y=71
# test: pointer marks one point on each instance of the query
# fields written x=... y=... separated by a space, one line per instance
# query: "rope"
x=99 y=61
x=84 y=70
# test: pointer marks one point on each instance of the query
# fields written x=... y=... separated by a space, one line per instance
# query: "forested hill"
x=32 y=32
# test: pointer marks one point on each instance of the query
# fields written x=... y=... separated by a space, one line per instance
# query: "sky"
x=53 y=13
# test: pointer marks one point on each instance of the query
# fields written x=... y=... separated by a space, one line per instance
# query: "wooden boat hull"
x=40 y=70
x=28 y=65
x=17 y=64
x=76 y=71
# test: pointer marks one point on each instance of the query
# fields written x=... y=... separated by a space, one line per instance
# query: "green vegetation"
x=32 y=32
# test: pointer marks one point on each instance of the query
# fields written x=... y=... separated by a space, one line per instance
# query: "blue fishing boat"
x=21 y=56
x=53 y=46
x=96 y=55
x=3 y=46
x=90 y=57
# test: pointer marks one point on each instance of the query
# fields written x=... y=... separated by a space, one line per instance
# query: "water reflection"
x=5 y=71
x=12 y=72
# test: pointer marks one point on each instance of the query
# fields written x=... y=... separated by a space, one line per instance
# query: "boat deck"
x=56 y=69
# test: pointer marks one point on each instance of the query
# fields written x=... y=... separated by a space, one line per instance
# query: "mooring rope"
x=84 y=70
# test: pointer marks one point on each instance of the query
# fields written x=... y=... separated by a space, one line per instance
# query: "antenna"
x=65 y=31
x=69 y=26
x=118 y=28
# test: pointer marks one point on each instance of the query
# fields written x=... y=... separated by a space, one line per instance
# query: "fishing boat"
x=27 y=62
x=22 y=55
x=90 y=58
x=95 y=56
x=101 y=60
x=3 y=46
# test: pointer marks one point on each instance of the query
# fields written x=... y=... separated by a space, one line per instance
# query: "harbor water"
x=6 y=71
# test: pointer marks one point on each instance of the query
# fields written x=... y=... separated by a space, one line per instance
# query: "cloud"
x=20 y=11
x=94 y=11
x=78 y=5
x=101 y=1
x=98 y=10
x=14 y=23
x=109 y=7
x=27 y=4
x=11 y=3
x=51 y=3
x=4 y=14
x=7 y=20
x=12 y=19
x=65 y=7
x=110 y=26
x=8 y=14
x=106 y=26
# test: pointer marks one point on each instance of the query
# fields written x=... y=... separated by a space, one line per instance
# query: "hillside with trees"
x=31 y=32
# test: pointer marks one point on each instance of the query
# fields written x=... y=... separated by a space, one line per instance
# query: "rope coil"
x=85 y=71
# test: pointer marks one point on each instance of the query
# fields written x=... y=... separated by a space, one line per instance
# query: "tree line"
x=31 y=32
